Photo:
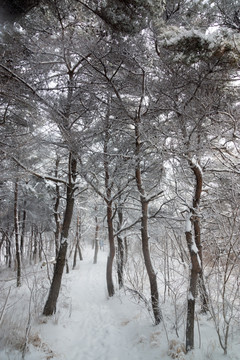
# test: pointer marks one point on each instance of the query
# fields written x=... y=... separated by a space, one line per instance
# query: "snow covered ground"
x=89 y=326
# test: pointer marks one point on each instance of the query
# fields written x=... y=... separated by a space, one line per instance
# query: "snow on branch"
x=40 y=176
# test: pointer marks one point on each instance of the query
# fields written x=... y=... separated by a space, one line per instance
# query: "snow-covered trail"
x=89 y=326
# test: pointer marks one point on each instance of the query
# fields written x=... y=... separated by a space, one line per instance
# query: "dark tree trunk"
x=96 y=241
x=50 y=306
x=195 y=269
x=8 y=253
x=203 y=294
x=108 y=200
x=195 y=251
x=16 y=228
x=120 y=249
x=80 y=252
x=148 y=263
x=35 y=244
x=40 y=247
x=23 y=230
x=120 y=261
x=144 y=230
x=56 y=211
x=30 y=245
x=77 y=249
x=126 y=250
x=110 y=285
x=4 y=238
x=75 y=257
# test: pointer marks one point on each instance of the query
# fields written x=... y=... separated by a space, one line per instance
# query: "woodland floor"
x=89 y=326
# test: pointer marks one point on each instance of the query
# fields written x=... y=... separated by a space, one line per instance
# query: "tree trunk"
x=108 y=200
x=23 y=230
x=110 y=285
x=120 y=261
x=79 y=252
x=4 y=238
x=148 y=263
x=120 y=249
x=56 y=211
x=203 y=293
x=77 y=249
x=16 y=228
x=8 y=249
x=144 y=231
x=195 y=269
x=40 y=247
x=96 y=241
x=195 y=251
x=35 y=244
x=126 y=250
x=50 y=306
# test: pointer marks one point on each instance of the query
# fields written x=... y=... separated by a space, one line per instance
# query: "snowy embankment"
x=88 y=325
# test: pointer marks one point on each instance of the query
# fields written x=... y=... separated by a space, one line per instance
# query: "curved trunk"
x=195 y=251
x=144 y=231
x=148 y=263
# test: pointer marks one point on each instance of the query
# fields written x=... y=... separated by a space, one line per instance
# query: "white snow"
x=194 y=247
x=90 y=326
x=190 y=296
x=64 y=240
x=199 y=261
x=196 y=164
x=188 y=225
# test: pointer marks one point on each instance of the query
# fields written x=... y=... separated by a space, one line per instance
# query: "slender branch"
x=44 y=177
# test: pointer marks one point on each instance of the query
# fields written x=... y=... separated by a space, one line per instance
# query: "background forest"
x=119 y=135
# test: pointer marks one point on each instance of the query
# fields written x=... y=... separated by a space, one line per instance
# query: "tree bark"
x=23 y=230
x=77 y=245
x=96 y=241
x=148 y=263
x=144 y=231
x=50 y=306
x=16 y=228
x=35 y=244
x=195 y=269
x=110 y=285
x=56 y=211
x=108 y=200
x=195 y=251
x=120 y=249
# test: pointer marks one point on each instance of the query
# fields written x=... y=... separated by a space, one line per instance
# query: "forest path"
x=89 y=326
